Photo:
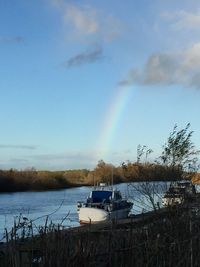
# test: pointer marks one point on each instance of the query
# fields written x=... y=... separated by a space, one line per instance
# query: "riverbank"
x=33 y=180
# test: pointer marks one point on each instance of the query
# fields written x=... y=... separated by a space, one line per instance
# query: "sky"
x=83 y=81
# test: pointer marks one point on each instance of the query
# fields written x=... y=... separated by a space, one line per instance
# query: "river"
x=36 y=206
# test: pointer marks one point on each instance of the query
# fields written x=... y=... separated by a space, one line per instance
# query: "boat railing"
x=104 y=186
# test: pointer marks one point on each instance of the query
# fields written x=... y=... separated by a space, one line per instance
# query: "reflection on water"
x=56 y=204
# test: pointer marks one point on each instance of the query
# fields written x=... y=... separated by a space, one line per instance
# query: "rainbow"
x=113 y=117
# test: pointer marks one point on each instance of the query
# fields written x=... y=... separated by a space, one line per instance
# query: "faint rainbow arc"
x=112 y=120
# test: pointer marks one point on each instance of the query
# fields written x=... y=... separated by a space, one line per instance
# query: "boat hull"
x=170 y=201
x=95 y=215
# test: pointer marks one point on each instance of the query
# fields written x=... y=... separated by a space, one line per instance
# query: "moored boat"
x=103 y=204
x=178 y=193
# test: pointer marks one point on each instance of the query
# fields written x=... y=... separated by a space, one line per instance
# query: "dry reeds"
x=164 y=240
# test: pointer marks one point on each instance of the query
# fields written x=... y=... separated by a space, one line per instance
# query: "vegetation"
x=171 y=238
x=179 y=152
x=179 y=156
x=14 y=180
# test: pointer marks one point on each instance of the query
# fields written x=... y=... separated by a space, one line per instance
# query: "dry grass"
x=196 y=178
x=168 y=240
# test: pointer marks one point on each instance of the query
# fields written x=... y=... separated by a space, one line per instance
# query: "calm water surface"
x=37 y=205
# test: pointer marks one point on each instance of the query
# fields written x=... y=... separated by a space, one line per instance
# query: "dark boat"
x=178 y=193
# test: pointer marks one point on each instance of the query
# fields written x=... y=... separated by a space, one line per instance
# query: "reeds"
x=171 y=238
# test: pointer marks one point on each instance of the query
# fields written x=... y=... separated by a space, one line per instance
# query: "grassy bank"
x=169 y=239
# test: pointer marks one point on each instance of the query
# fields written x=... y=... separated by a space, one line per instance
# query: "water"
x=36 y=206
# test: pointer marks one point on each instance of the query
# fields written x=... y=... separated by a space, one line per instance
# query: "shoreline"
x=32 y=180
x=70 y=186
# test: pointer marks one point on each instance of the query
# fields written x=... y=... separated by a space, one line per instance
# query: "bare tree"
x=147 y=195
x=143 y=150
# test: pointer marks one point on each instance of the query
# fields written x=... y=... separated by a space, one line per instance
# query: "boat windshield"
x=99 y=196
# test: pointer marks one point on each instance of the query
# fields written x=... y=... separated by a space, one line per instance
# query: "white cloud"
x=192 y=57
x=83 y=19
x=159 y=69
x=86 y=21
x=182 y=68
x=182 y=20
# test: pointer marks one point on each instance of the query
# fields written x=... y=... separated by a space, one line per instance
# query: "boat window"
x=99 y=196
x=117 y=195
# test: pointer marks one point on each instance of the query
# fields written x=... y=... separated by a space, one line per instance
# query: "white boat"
x=103 y=204
x=178 y=193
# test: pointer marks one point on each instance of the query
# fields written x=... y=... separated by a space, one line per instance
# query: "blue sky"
x=84 y=80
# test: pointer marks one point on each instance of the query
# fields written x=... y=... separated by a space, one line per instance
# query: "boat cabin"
x=104 y=196
x=104 y=203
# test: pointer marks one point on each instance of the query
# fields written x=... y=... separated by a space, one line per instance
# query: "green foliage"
x=179 y=151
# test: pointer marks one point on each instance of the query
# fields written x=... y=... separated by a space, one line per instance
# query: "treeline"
x=33 y=180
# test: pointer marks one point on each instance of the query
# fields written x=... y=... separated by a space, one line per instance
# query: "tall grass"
x=167 y=239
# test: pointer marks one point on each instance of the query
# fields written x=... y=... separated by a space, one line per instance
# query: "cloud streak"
x=65 y=160
x=11 y=40
x=86 y=57
x=80 y=156
x=52 y=161
x=180 y=68
x=28 y=147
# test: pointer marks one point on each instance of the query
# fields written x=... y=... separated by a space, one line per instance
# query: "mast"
x=112 y=177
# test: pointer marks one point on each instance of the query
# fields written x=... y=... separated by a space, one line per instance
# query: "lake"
x=36 y=206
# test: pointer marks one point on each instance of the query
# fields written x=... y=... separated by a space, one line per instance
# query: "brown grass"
x=171 y=239
x=196 y=178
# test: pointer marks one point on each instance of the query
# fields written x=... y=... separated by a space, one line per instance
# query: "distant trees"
x=106 y=172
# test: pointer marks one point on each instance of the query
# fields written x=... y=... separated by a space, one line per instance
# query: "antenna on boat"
x=112 y=177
